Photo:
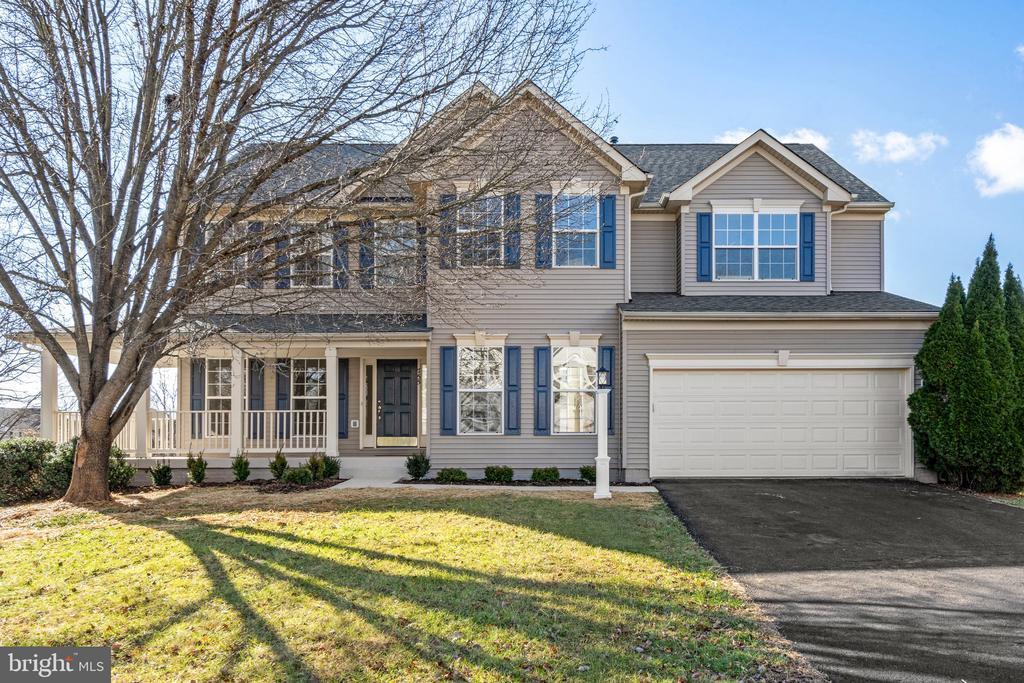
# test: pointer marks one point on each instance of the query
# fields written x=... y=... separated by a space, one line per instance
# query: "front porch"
x=339 y=397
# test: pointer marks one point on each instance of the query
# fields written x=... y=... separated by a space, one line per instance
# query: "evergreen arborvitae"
x=938 y=362
x=1014 y=297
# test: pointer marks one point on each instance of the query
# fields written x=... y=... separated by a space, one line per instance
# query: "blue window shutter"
x=807 y=247
x=421 y=254
x=543 y=218
x=447 y=241
x=608 y=231
x=448 y=391
x=366 y=255
x=513 y=231
x=197 y=394
x=284 y=270
x=343 y=398
x=255 y=281
x=542 y=390
x=339 y=257
x=197 y=247
x=283 y=394
x=606 y=360
x=704 y=247
x=256 y=367
x=513 y=366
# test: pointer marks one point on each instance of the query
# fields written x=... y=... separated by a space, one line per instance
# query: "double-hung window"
x=309 y=395
x=575 y=227
x=218 y=395
x=768 y=252
x=574 y=381
x=395 y=257
x=229 y=238
x=481 y=388
x=313 y=261
x=480 y=227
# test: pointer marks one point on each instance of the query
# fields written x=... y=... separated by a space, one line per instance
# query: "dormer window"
x=756 y=245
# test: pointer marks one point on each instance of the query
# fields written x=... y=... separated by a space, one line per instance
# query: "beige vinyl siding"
x=638 y=343
x=654 y=254
x=527 y=306
x=754 y=177
x=857 y=255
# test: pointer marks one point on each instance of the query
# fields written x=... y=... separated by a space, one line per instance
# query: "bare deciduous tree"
x=141 y=141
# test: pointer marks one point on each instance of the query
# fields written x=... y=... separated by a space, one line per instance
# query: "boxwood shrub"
x=161 y=474
x=297 y=475
x=417 y=466
x=545 y=475
x=588 y=473
x=196 y=468
x=498 y=473
x=21 y=468
x=451 y=475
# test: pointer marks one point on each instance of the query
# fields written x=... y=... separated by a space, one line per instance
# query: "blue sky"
x=924 y=101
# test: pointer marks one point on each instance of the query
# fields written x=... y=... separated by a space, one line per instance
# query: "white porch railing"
x=209 y=431
x=69 y=425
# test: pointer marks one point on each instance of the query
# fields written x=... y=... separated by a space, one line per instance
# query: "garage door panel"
x=779 y=423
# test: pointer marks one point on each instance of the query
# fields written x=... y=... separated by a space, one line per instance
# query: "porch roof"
x=319 y=323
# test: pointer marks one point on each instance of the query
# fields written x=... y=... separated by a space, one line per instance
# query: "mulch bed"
x=261 y=485
x=514 y=482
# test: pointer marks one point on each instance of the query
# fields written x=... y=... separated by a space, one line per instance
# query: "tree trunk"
x=89 y=476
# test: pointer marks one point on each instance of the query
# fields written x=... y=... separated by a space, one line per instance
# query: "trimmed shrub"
x=317 y=466
x=545 y=475
x=240 y=466
x=588 y=473
x=121 y=472
x=196 y=468
x=278 y=465
x=332 y=468
x=21 y=468
x=451 y=475
x=498 y=473
x=417 y=466
x=57 y=470
x=297 y=475
x=161 y=474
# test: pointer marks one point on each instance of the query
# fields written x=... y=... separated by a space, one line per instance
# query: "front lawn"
x=1015 y=499
x=229 y=584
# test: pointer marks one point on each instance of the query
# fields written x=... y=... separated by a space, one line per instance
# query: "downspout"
x=628 y=285
x=828 y=245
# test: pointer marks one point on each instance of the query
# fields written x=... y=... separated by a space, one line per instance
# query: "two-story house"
x=735 y=293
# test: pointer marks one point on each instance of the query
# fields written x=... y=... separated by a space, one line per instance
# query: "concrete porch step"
x=383 y=468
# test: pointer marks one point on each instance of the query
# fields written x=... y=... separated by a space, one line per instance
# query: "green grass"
x=1014 y=499
x=229 y=584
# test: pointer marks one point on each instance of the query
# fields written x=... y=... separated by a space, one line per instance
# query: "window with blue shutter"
x=608 y=231
x=704 y=247
x=283 y=395
x=449 y=392
x=807 y=247
x=343 y=398
x=254 y=280
x=606 y=360
x=197 y=394
x=542 y=390
x=339 y=257
x=366 y=255
x=284 y=270
x=513 y=366
x=447 y=240
x=513 y=231
x=542 y=214
x=255 y=381
x=421 y=254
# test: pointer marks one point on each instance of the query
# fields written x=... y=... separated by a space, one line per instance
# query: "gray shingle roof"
x=318 y=323
x=674 y=164
x=837 y=302
x=331 y=160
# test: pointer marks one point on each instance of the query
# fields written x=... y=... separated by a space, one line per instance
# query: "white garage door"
x=780 y=423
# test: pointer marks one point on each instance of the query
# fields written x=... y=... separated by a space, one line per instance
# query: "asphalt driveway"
x=873 y=580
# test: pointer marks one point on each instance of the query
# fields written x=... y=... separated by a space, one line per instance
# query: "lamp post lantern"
x=602 y=489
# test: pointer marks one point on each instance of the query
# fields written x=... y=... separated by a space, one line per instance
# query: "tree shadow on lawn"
x=586 y=622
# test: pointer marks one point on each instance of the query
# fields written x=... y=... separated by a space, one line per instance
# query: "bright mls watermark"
x=58 y=664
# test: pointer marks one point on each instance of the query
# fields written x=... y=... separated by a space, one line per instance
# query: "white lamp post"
x=603 y=389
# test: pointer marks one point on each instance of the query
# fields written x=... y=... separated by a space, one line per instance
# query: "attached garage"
x=780 y=415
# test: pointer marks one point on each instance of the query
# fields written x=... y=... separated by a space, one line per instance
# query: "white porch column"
x=237 y=427
x=141 y=416
x=602 y=490
x=48 y=395
x=331 y=437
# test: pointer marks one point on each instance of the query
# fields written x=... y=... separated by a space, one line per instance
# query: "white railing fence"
x=69 y=425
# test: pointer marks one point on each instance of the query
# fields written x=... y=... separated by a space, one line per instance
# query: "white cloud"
x=894 y=216
x=998 y=161
x=896 y=146
x=1020 y=51
x=802 y=135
